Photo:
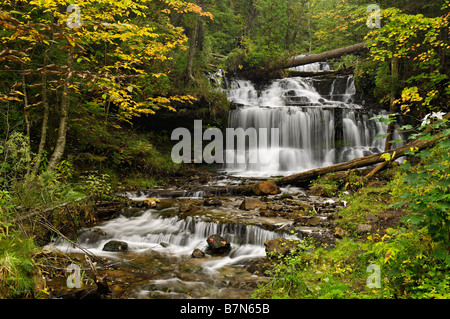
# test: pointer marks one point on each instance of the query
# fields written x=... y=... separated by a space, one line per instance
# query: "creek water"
x=316 y=129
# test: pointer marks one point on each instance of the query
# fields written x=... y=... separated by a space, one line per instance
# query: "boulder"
x=115 y=246
x=151 y=202
x=212 y=202
x=251 y=203
x=217 y=245
x=281 y=247
x=197 y=253
x=266 y=188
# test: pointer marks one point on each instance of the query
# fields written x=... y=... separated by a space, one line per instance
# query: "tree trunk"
x=44 y=127
x=393 y=107
x=321 y=56
x=249 y=22
x=64 y=116
x=192 y=45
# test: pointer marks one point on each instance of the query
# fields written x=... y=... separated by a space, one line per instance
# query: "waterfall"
x=314 y=130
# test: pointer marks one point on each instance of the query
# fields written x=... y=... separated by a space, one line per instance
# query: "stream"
x=318 y=127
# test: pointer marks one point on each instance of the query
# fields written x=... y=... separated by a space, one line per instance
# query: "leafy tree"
x=114 y=62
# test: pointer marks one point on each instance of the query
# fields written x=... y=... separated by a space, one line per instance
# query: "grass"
x=16 y=266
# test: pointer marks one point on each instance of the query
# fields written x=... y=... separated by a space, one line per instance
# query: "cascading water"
x=315 y=130
x=166 y=232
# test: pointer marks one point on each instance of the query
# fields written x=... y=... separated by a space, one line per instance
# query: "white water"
x=314 y=130
x=175 y=236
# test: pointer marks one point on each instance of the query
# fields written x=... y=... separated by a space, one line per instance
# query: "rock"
x=197 y=253
x=115 y=245
x=281 y=247
x=91 y=236
x=372 y=218
x=151 y=202
x=286 y=196
x=363 y=228
x=339 y=232
x=217 y=245
x=212 y=202
x=164 y=244
x=313 y=221
x=251 y=203
x=266 y=188
x=317 y=190
x=276 y=207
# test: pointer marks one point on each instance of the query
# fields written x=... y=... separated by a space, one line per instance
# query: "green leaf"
x=414 y=219
x=441 y=254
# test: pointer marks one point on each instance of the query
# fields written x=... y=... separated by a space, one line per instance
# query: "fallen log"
x=306 y=177
x=321 y=57
x=293 y=73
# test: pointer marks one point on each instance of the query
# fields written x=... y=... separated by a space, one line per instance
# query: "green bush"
x=16 y=266
x=409 y=266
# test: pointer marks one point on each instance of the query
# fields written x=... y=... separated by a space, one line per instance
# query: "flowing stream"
x=315 y=129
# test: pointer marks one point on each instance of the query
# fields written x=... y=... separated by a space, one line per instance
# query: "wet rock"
x=164 y=203
x=276 y=207
x=281 y=247
x=190 y=206
x=212 y=202
x=91 y=236
x=286 y=196
x=165 y=245
x=266 y=188
x=217 y=245
x=151 y=202
x=313 y=221
x=251 y=203
x=197 y=253
x=115 y=246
